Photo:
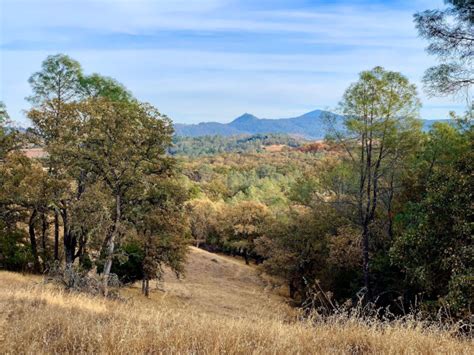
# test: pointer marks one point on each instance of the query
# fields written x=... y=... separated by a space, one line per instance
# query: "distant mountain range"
x=311 y=125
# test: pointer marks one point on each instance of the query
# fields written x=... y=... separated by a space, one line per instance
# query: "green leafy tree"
x=14 y=252
x=53 y=87
x=8 y=137
x=57 y=90
x=380 y=112
x=158 y=215
x=434 y=247
x=96 y=86
x=120 y=143
x=25 y=192
x=58 y=81
x=295 y=248
x=57 y=130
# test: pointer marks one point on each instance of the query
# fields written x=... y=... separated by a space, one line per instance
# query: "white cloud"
x=214 y=83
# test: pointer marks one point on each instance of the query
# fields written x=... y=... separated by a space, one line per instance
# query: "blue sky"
x=212 y=60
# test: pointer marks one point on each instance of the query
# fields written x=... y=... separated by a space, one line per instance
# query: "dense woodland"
x=380 y=212
x=215 y=144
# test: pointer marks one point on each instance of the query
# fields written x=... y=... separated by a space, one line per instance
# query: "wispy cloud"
x=213 y=59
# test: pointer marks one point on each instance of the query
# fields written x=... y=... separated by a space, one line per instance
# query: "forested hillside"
x=210 y=145
x=123 y=232
x=358 y=217
x=311 y=125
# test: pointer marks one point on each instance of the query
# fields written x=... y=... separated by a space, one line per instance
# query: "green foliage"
x=15 y=253
x=264 y=177
x=61 y=80
x=382 y=199
x=241 y=224
x=380 y=112
x=127 y=263
x=96 y=85
x=4 y=117
x=120 y=141
x=435 y=246
x=106 y=178
x=202 y=214
x=295 y=247
x=8 y=137
x=57 y=82
x=211 y=145
x=450 y=32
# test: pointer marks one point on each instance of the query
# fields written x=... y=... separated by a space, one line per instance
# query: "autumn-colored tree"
x=241 y=224
x=202 y=218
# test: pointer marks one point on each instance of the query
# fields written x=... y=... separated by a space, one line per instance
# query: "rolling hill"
x=311 y=125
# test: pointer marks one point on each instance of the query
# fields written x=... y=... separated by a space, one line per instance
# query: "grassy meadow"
x=221 y=306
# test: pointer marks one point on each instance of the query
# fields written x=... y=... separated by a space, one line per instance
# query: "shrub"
x=14 y=254
x=127 y=263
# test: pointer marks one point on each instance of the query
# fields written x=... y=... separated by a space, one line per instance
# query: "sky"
x=212 y=60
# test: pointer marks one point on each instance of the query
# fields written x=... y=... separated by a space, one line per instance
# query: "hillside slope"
x=221 y=307
x=221 y=285
x=311 y=125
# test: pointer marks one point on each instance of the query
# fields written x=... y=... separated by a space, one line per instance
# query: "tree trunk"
x=147 y=287
x=246 y=257
x=44 y=230
x=365 y=255
x=69 y=240
x=111 y=244
x=292 y=288
x=56 y=235
x=34 y=248
x=389 y=208
x=82 y=243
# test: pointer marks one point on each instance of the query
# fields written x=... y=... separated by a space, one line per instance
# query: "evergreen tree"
x=451 y=35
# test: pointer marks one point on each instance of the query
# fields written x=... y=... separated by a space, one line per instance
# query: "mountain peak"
x=314 y=113
x=309 y=125
x=246 y=117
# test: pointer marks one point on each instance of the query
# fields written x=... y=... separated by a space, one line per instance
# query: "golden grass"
x=38 y=318
x=222 y=285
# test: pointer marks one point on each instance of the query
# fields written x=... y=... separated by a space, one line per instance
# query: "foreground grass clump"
x=37 y=318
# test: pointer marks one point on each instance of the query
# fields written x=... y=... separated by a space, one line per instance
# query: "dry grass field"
x=222 y=306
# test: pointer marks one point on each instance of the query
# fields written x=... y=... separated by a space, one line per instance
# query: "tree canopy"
x=451 y=35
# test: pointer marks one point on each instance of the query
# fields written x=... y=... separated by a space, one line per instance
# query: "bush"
x=14 y=254
x=85 y=262
x=78 y=280
x=127 y=263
